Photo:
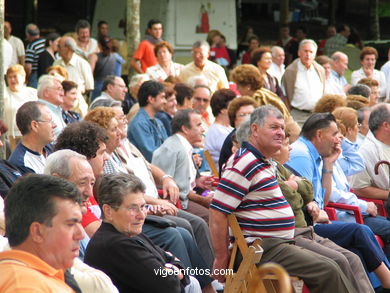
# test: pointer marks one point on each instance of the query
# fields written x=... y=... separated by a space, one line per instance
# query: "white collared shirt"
x=277 y=71
x=308 y=88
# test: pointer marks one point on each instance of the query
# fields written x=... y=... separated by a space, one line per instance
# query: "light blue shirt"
x=146 y=134
x=305 y=159
x=339 y=79
x=350 y=160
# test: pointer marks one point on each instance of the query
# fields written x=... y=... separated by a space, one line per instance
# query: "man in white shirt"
x=375 y=147
x=304 y=79
x=79 y=71
x=277 y=68
x=19 y=53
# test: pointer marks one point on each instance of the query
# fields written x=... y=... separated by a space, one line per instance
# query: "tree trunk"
x=284 y=11
x=374 y=20
x=132 y=30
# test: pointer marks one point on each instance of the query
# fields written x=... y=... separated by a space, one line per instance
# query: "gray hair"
x=59 y=163
x=105 y=103
x=242 y=132
x=361 y=112
x=71 y=44
x=112 y=188
x=32 y=29
x=44 y=82
x=336 y=56
x=197 y=80
x=308 y=41
x=260 y=114
x=379 y=114
x=200 y=44
x=136 y=79
x=360 y=89
x=275 y=50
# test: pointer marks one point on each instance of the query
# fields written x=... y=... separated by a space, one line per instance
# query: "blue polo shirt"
x=305 y=159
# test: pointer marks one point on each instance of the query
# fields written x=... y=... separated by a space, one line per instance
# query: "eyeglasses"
x=135 y=209
x=204 y=100
x=46 y=121
x=359 y=125
x=59 y=88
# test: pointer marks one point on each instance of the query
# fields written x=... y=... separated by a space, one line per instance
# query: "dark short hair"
x=258 y=54
x=68 y=85
x=359 y=89
x=315 y=122
x=109 y=79
x=32 y=199
x=101 y=22
x=82 y=137
x=112 y=188
x=379 y=114
x=28 y=112
x=341 y=27
x=152 y=22
x=182 y=118
x=82 y=23
x=220 y=100
x=51 y=37
x=183 y=91
x=149 y=88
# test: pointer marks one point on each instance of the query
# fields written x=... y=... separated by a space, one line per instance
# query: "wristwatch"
x=324 y=171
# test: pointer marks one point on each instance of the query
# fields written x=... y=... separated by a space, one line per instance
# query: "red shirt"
x=145 y=53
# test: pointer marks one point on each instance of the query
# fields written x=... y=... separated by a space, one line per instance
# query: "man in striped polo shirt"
x=249 y=189
x=35 y=47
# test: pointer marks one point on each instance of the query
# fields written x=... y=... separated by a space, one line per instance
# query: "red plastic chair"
x=330 y=209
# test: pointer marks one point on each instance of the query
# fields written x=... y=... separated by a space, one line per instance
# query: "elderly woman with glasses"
x=16 y=94
x=131 y=260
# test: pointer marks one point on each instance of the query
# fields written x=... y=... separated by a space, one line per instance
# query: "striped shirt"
x=249 y=188
x=32 y=52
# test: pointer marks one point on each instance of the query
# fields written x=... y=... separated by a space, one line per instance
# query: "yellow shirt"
x=24 y=272
x=214 y=73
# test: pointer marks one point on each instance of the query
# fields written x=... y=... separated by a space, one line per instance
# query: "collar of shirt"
x=312 y=150
x=186 y=144
x=303 y=68
x=254 y=150
x=54 y=108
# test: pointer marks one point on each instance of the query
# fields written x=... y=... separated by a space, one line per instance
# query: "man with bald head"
x=339 y=64
x=79 y=71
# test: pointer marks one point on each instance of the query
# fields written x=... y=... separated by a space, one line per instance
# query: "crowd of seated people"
x=105 y=187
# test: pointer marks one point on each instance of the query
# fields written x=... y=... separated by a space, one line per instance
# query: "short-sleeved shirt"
x=18 y=49
x=32 y=52
x=213 y=72
x=24 y=272
x=29 y=161
x=145 y=53
x=249 y=189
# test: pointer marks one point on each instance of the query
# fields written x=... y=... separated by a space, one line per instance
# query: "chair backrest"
x=268 y=278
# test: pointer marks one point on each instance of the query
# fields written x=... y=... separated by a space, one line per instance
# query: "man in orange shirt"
x=43 y=225
x=144 y=56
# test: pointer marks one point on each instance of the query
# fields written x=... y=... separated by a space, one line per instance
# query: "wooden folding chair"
x=268 y=278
